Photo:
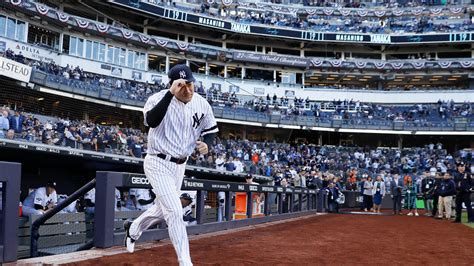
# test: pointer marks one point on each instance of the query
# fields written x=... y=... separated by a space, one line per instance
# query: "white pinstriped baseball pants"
x=166 y=179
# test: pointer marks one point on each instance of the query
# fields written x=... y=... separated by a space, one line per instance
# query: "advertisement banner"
x=141 y=181
x=14 y=70
x=31 y=51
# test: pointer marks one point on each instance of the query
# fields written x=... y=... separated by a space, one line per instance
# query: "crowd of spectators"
x=280 y=159
x=331 y=23
x=336 y=3
x=351 y=110
x=86 y=135
x=373 y=173
x=89 y=135
x=77 y=77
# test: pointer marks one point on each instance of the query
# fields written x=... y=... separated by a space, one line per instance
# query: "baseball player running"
x=177 y=119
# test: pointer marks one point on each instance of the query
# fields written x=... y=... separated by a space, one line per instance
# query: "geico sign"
x=136 y=180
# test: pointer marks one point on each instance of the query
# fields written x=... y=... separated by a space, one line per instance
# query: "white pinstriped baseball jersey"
x=182 y=125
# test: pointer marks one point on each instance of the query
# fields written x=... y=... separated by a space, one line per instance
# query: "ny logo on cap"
x=182 y=74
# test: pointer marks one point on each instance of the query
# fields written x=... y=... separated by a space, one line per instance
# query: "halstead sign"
x=14 y=70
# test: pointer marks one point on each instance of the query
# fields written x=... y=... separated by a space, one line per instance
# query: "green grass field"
x=464 y=220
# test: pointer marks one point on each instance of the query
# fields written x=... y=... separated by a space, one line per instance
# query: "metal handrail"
x=46 y=216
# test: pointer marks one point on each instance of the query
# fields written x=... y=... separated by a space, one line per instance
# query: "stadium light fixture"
x=230 y=121
x=129 y=107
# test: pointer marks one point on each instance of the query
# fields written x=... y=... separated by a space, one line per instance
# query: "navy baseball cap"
x=186 y=196
x=181 y=71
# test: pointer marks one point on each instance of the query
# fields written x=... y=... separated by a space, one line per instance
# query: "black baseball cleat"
x=129 y=242
x=456 y=222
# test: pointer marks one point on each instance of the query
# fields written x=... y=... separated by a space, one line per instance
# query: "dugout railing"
x=10 y=179
x=105 y=223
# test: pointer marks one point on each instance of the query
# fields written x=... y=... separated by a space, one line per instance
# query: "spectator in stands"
x=229 y=165
x=16 y=122
x=47 y=135
x=220 y=161
x=72 y=137
x=378 y=192
x=10 y=134
x=40 y=200
x=239 y=167
x=86 y=139
x=4 y=124
x=446 y=193
x=427 y=188
x=410 y=190
x=368 y=194
x=396 y=187
x=436 y=194
x=135 y=148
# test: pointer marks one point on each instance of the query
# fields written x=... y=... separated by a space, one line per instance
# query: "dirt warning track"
x=328 y=239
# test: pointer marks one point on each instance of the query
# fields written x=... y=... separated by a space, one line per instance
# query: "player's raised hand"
x=177 y=85
x=202 y=147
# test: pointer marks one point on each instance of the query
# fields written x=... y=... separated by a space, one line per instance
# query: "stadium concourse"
x=316 y=240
